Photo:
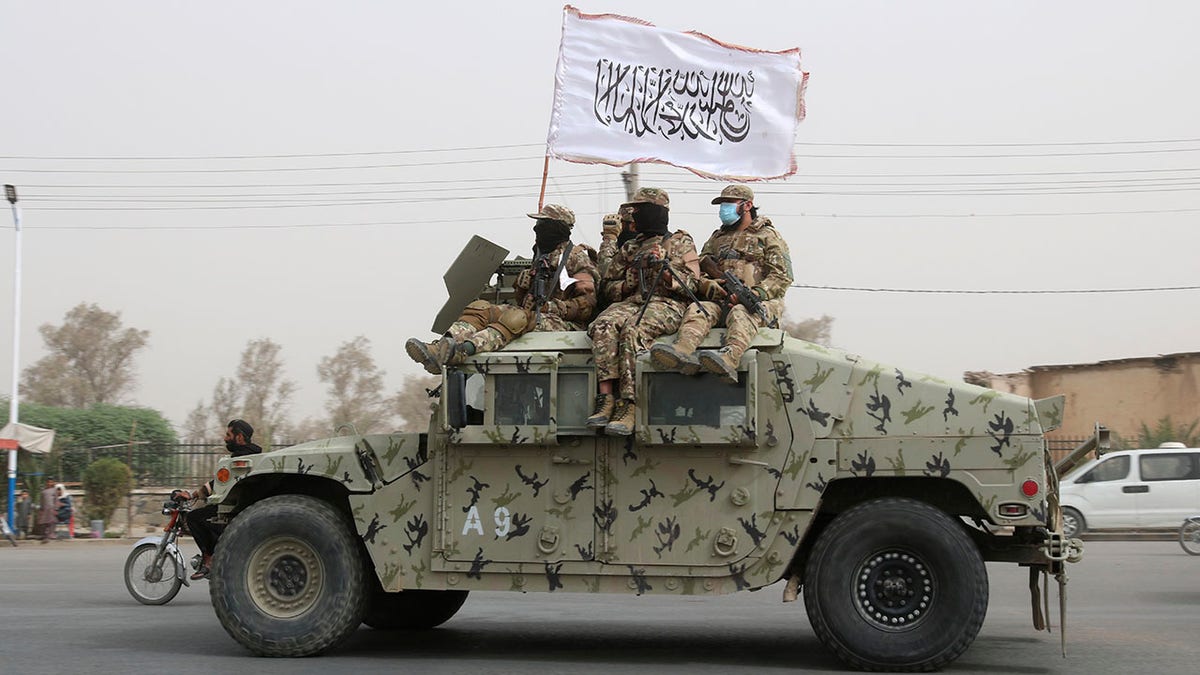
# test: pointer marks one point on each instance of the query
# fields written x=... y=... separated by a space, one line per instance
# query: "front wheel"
x=1189 y=535
x=287 y=578
x=151 y=580
x=895 y=584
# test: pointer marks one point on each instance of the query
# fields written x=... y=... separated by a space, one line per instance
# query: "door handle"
x=1132 y=489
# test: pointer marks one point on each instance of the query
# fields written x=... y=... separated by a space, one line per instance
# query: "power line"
x=146 y=158
x=510 y=218
x=370 y=153
x=998 y=145
x=997 y=292
x=284 y=168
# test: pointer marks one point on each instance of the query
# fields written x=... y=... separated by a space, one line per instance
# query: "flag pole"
x=10 y=193
x=545 y=172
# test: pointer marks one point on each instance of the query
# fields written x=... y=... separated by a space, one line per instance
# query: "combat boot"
x=602 y=411
x=676 y=356
x=720 y=362
x=623 y=416
x=430 y=354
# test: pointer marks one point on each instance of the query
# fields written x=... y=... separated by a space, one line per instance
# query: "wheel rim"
x=149 y=580
x=285 y=577
x=1070 y=523
x=894 y=590
x=1189 y=536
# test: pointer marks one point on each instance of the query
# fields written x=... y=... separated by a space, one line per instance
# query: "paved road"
x=1134 y=607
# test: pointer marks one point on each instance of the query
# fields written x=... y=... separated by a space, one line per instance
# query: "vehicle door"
x=518 y=475
x=1168 y=488
x=1108 y=493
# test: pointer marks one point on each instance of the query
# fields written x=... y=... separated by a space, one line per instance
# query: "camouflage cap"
x=735 y=193
x=555 y=212
x=649 y=195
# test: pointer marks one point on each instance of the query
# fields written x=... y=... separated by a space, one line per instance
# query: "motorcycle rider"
x=205 y=533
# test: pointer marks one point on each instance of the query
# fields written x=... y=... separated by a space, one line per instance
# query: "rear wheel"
x=416 y=609
x=151 y=581
x=1073 y=522
x=287 y=577
x=1189 y=536
x=895 y=584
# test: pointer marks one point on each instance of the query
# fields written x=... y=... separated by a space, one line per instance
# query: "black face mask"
x=625 y=236
x=651 y=219
x=548 y=234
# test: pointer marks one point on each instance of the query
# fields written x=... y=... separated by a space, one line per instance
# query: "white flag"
x=626 y=91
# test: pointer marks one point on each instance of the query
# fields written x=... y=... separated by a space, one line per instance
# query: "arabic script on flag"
x=627 y=91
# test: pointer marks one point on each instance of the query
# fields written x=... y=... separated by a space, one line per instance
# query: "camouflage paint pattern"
x=714 y=506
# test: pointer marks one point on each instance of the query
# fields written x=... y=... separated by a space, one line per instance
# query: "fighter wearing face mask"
x=556 y=293
x=649 y=281
x=750 y=248
x=613 y=235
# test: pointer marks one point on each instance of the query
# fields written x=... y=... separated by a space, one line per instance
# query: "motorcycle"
x=155 y=569
x=1189 y=535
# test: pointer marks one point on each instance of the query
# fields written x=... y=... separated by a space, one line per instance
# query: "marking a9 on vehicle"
x=501 y=516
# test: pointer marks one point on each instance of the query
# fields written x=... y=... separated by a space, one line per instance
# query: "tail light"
x=1030 y=488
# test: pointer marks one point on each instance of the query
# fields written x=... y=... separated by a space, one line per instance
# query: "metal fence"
x=153 y=465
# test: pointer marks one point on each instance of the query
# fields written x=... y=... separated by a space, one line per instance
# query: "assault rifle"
x=542 y=274
x=745 y=295
x=658 y=266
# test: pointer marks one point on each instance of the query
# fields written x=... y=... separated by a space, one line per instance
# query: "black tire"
x=1073 y=522
x=1189 y=536
x=895 y=584
x=287 y=577
x=413 y=610
x=150 y=584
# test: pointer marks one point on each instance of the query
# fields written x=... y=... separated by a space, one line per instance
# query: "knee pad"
x=512 y=322
x=478 y=313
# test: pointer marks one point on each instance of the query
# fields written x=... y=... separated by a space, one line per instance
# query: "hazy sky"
x=930 y=126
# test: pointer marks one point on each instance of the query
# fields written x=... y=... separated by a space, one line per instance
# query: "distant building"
x=1121 y=394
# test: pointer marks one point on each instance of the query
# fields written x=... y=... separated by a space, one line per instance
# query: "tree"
x=412 y=402
x=259 y=393
x=355 y=387
x=90 y=360
x=1165 y=431
x=197 y=427
x=106 y=481
x=266 y=393
x=79 y=431
x=811 y=330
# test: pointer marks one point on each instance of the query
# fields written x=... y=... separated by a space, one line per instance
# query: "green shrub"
x=106 y=481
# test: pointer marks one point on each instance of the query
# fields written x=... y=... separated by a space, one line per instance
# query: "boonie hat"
x=735 y=193
x=555 y=212
x=650 y=195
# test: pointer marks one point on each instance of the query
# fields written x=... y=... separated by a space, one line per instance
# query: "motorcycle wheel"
x=147 y=583
x=1189 y=536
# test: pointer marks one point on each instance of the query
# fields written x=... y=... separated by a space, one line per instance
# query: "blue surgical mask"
x=728 y=213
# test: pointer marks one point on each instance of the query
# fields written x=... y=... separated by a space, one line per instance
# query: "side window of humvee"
x=523 y=399
x=684 y=400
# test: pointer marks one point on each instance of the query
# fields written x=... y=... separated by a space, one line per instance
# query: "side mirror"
x=455 y=392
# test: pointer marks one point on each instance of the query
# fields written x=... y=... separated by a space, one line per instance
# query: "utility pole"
x=10 y=193
x=630 y=179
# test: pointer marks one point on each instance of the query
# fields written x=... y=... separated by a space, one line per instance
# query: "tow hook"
x=1059 y=548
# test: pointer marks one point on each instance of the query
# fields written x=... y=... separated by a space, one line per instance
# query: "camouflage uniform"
x=757 y=255
x=486 y=327
x=563 y=310
x=615 y=338
x=614 y=223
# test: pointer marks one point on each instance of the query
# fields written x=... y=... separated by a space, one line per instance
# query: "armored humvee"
x=877 y=491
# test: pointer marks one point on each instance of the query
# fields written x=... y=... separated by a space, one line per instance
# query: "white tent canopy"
x=31 y=438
